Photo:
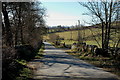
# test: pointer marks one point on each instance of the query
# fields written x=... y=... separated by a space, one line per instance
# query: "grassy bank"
x=106 y=63
x=40 y=53
x=17 y=68
x=27 y=73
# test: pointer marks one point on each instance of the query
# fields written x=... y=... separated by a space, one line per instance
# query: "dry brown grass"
x=105 y=63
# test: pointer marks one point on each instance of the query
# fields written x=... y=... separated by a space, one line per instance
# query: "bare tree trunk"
x=102 y=35
x=16 y=36
x=7 y=25
x=106 y=27
x=20 y=25
x=109 y=27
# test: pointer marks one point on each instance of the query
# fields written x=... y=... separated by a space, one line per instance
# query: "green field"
x=91 y=36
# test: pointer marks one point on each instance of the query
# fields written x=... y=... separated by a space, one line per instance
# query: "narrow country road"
x=58 y=65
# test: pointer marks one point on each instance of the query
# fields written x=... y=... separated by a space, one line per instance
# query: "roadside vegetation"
x=40 y=53
x=20 y=70
x=27 y=72
x=107 y=63
x=21 y=38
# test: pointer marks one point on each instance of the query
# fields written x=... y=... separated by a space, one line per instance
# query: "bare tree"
x=105 y=12
x=80 y=39
x=24 y=18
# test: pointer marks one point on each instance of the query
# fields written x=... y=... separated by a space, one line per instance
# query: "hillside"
x=91 y=36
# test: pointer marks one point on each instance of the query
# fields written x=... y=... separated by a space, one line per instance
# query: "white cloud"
x=61 y=19
x=55 y=18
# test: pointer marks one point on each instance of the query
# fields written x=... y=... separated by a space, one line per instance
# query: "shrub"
x=25 y=52
x=10 y=67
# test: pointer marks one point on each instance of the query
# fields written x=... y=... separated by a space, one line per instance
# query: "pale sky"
x=65 y=13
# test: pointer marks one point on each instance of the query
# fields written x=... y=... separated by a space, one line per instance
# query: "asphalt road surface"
x=58 y=65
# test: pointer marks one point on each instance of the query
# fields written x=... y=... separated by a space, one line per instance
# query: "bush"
x=25 y=52
x=10 y=67
x=100 y=51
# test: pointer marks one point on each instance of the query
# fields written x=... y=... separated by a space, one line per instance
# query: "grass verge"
x=40 y=53
x=106 y=63
x=26 y=73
